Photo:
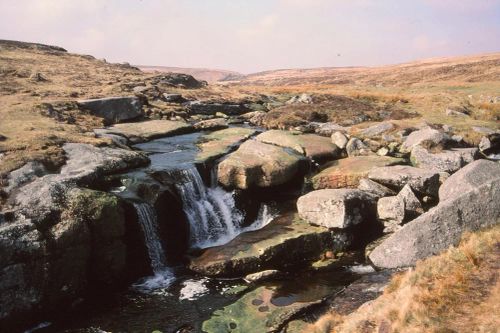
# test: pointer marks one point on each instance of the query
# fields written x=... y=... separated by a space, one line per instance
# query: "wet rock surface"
x=287 y=242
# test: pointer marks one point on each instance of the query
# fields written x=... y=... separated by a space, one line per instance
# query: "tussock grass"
x=457 y=291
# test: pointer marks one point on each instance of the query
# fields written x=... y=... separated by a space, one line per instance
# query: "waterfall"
x=163 y=275
x=212 y=213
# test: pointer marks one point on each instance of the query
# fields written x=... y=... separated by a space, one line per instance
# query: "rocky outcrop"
x=257 y=164
x=86 y=164
x=327 y=129
x=447 y=161
x=114 y=109
x=149 y=130
x=313 y=146
x=179 y=80
x=25 y=174
x=337 y=208
x=426 y=134
x=425 y=182
x=347 y=172
x=474 y=207
x=202 y=108
x=286 y=243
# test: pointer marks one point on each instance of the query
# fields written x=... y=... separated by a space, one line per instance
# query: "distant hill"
x=478 y=68
x=209 y=75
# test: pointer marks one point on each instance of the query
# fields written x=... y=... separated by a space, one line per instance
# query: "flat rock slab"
x=347 y=172
x=310 y=145
x=256 y=311
x=425 y=134
x=258 y=164
x=148 y=130
x=219 y=143
x=397 y=176
x=285 y=243
x=114 y=109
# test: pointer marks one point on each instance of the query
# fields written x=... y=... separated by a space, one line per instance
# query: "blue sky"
x=255 y=35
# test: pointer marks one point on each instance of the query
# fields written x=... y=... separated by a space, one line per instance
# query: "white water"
x=163 y=275
x=211 y=212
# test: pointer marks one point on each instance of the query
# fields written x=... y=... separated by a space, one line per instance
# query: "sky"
x=256 y=35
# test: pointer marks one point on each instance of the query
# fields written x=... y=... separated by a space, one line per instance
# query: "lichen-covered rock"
x=114 y=109
x=327 y=129
x=198 y=107
x=339 y=139
x=420 y=180
x=441 y=227
x=447 y=161
x=347 y=172
x=255 y=117
x=395 y=210
x=219 y=143
x=310 y=145
x=468 y=178
x=257 y=164
x=375 y=188
x=148 y=130
x=426 y=134
x=377 y=129
x=337 y=208
x=356 y=147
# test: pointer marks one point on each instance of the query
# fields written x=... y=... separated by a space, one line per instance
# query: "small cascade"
x=212 y=213
x=163 y=275
x=264 y=217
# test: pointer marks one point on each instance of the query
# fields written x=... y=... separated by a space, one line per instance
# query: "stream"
x=173 y=299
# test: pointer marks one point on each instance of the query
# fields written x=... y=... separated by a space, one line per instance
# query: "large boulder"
x=447 y=161
x=310 y=145
x=114 y=109
x=347 y=172
x=337 y=208
x=339 y=139
x=255 y=117
x=426 y=134
x=257 y=164
x=468 y=178
x=148 y=130
x=286 y=243
x=425 y=182
x=475 y=206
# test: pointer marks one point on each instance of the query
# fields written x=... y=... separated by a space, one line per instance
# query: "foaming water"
x=193 y=289
x=265 y=216
x=211 y=212
x=163 y=275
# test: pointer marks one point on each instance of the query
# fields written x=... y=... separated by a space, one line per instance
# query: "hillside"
x=204 y=74
x=478 y=68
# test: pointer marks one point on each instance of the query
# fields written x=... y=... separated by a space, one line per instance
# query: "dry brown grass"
x=457 y=291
